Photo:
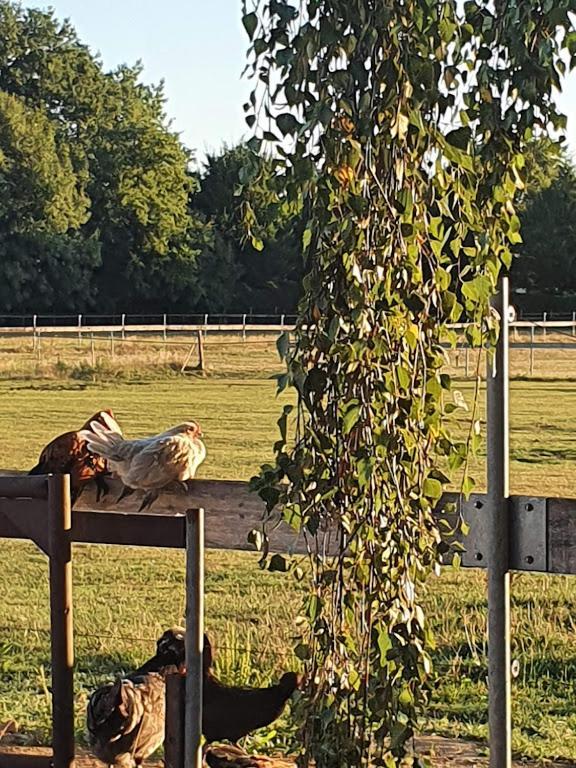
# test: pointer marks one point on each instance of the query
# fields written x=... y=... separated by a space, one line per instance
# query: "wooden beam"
x=14 y=760
x=129 y=528
x=543 y=530
x=19 y=520
x=18 y=486
x=561 y=535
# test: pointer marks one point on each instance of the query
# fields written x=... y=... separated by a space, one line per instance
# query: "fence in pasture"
x=505 y=533
x=158 y=321
x=537 y=349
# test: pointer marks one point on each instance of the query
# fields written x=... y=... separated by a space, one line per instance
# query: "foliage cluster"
x=100 y=210
x=401 y=128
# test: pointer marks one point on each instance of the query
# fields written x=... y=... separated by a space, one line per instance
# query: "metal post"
x=194 y=636
x=165 y=331
x=79 y=327
x=544 y=321
x=573 y=323
x=244 y=327
x=206 y=324
x=62 y=645
x=123 y=326
x=497 y=519
x=174 y=719
x=532 y=343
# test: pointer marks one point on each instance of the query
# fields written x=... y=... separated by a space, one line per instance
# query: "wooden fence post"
x=194 y=636
x=200 y=351
x=497 y=521
x=62 y=644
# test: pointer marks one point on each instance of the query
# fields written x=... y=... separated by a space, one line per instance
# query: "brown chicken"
x=228 y=756
x=230 y=712
x=69 y=454
x=125 y=719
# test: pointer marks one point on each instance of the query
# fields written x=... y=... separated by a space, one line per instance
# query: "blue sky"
x=198 y=48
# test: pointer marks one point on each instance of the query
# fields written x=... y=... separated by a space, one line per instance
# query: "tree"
x=135 y=168
x=545 y=261
x=43 y=203
x=402 y=125
x=262 y=272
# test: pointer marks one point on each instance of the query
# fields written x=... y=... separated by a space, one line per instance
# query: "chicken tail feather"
x=102 y=441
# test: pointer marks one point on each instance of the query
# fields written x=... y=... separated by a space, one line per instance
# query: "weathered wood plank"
x=23 y=486
x=128 y=528
x=19 y=519
x=543 y=536
x=231 y=512
x=561 y=532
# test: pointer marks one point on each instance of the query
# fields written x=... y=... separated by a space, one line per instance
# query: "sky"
x=198 y=48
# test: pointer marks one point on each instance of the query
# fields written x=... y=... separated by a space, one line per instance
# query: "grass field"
x=125 y=597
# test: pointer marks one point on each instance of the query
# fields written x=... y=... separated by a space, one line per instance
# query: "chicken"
x=69 y=454
x=227 y=756
x=125 y=719
x=151 y=463
x=229 y=712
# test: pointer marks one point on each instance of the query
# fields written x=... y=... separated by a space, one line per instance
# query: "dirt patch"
x=442 y=752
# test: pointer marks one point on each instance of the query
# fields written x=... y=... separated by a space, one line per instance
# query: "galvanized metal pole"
x=194 y=635
x=499 y=660
x=62 y=644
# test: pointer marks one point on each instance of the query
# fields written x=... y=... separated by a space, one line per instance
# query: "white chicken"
x=151 y=463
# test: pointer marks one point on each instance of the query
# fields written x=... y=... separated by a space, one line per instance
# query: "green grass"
x=125 y=597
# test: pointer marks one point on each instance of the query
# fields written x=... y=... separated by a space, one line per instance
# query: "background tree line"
x=100 y=211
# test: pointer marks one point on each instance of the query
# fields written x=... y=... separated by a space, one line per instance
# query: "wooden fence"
x=543 y=536
x=505 y=533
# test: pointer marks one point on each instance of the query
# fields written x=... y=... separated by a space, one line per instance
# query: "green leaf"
x=478 y=290
x=432 y=488
x=351 y=417
x=283 y=344
x=287 y=123
x=250 y=21
x=278 y=563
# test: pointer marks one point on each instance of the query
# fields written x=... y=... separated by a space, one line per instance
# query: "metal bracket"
x=528 y=537
x=476 y=549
